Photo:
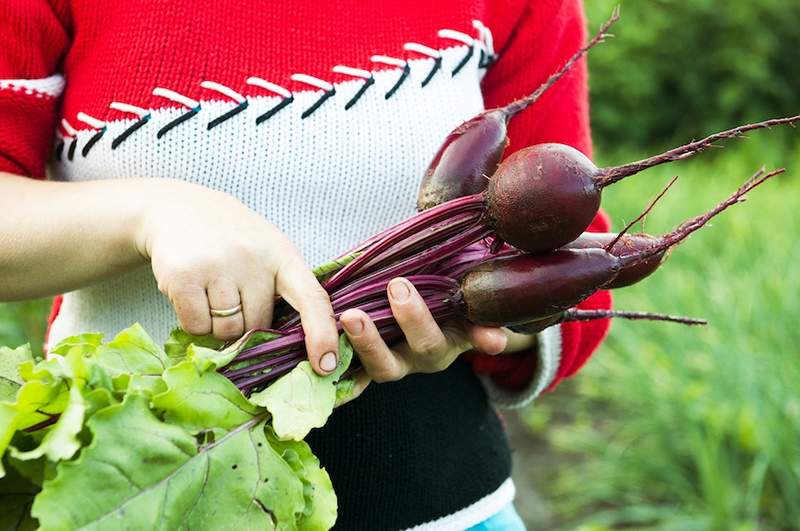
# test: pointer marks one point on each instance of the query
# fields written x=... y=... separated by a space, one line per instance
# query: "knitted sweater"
x=322 y=117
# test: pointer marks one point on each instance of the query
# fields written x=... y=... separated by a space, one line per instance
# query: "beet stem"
x=575 y=314
x=408 y=228
x=517 y=106
x=688 y=227
x=608 y=176
x=641 y=216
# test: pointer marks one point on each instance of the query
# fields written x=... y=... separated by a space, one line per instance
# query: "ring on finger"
x=227 y=312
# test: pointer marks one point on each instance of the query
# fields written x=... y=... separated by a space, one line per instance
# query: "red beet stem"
x=642 y=215
x=685 y=229
x=607 y=176
x=517 y=106
x=405 y=229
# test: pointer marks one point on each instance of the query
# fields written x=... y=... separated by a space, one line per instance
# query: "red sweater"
x=101 y=54
x=121 y=51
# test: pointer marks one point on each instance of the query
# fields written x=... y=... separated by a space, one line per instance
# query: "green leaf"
x=302 y=400
x=179 y=341
x=85 y=343
x=16 y=496
x=132 y=351
x=321 y=504
x=324 y=271
x=238 y=482
x=202 y=400
x=10 y=378
x=61 y=440
x=344 y=389
x=34 y=399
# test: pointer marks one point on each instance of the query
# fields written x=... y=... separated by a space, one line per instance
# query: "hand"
x=209 y=251
x=428 y=347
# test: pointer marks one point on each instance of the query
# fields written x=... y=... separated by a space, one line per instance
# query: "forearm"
x=57 y=237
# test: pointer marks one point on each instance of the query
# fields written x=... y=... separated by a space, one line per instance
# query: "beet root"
x=466 y=160
x=543 y=197
x=624 y=245
x=525 y=288
x=470 y=154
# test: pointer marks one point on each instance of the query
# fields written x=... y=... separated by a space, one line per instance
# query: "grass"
x=670 y=427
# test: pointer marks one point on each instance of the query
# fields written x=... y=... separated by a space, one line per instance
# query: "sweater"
x=321 y=117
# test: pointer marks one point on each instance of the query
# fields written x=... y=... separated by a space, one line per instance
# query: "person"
x=202 y=155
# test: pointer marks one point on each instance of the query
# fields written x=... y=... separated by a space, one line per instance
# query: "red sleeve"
x=536 y=37
x=32 y=42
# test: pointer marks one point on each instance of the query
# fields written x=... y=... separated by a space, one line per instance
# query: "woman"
x=205 y=154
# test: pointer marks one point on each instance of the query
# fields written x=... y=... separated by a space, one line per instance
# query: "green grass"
x=670 y=427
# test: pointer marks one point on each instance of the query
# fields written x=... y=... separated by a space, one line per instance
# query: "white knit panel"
x=49 y=86
x=328 y=181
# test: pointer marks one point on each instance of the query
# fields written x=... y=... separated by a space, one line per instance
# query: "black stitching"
x=92 y=141
x=230 y=114
x=129 y=131
x=273 y=111
x=400 y=80
x=367 y=84
x=59 y=150
x=437 y=65
x=177 y=121
x=71 y=150
x=463 y=62
x=322 y=99
x=486 y=60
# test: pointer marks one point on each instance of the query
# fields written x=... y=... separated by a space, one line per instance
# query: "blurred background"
x=670 y=427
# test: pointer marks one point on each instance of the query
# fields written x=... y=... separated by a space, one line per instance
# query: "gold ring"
x=226 y=313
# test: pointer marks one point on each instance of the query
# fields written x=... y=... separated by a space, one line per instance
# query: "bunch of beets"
x=497 y=243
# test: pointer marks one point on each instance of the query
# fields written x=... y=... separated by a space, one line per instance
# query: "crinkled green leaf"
x=145 y=384
x=238 y=482
x=321 y=503
x=16 y=497
x=201 y=400
x=132 y=351
x=61 y=440
x=344 y=389
x=10 y=379
x=302 y=400
x=85 y=343
x=33 y=398
x=179 y=341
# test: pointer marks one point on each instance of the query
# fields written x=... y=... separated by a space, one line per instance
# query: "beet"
x=625 y=245
x=527 y=287
x=544 y=196
x=471 y=153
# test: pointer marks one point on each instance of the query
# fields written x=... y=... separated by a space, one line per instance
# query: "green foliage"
x=122 y=435
x=301 y=400
x=678 y=69
x=671 y=427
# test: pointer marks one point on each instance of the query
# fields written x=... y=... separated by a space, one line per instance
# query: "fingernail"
x=328 y=362
x=399 y=290
x=353 y=327
x=502 y=343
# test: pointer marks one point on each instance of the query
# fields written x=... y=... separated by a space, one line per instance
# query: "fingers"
x=223 y=294
x=258 y=299
x=487 y=339
x=295 y=282
x=423 y=335
x=378 y=360
x=191 y=307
